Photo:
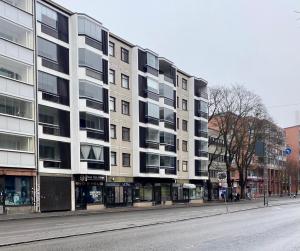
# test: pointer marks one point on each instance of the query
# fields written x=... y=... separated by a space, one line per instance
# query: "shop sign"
x=95 y=178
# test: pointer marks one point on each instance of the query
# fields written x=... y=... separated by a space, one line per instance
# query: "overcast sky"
x=250 y=42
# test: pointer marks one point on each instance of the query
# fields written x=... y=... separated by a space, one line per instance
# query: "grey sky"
x=251 y=42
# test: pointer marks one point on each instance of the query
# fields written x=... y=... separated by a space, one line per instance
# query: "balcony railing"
x=201 y=173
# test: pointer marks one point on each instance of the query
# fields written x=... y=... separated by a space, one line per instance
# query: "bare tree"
x=237 y=117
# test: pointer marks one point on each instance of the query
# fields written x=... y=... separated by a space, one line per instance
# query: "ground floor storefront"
x=17 y=190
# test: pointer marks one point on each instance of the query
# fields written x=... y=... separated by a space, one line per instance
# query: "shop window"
x=18 y=191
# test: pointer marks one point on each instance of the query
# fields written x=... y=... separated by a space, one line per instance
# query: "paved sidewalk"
x=255 y=203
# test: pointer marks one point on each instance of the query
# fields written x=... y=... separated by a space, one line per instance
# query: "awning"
x=189 y=186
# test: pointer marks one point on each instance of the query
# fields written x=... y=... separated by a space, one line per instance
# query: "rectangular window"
x=111 y=49
x=124 y=55
x=169 y=115
x=112 y=76
x=177 y=123
x=152 y=86
x=124 y=81
x=19 y=190
x=184 y=146
x=178 y=165
x=166 y=91
x=89 y=121
x=54 y=89
x=54 y=56
x=89 y=28
x=184 y=166
x=184 y=104
x=16 y=107
x=167 y=162
x=113 y=158
x=177 y=143
x=125 y=134
x=177 y=80
x=152 y=135
x=152 y=110
x=112 y=104
x=184 y=84
x=113 y=131
x=152 y=61
x=92 y=153
x=52 y=23
x=125 y=107
x=90 y=60
x=17 y=143
x=89 y=90
x=177 y=101
x=167 y=138
x=152 y=160
x=184 y=125
x=126 y=159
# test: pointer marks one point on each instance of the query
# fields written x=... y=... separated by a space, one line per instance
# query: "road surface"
x=204 y=228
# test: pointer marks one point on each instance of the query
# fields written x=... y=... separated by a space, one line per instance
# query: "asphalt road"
x=204 y=228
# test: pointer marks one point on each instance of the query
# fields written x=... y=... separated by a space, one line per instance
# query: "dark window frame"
x=124 y=156
x=125 y=132
x=125 y=55
x=123 y=104
x=115 y=131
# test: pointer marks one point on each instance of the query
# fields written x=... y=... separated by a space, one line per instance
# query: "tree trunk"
x=209 y=190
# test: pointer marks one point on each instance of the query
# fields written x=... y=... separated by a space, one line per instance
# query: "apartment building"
x=293 y=141
x=17 y=106
x=101 y=122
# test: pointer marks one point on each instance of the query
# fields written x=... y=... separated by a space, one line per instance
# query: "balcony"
x=16 y=70
x=17 y=125
x=201 y=168
x=167 y=70
x=54 y=154
x=148 y=62
x=200 y=88
x=16 y=15
x=25 y=5
x=16 y=34
x=16 y=52
x=17 y=159
x=54 y=121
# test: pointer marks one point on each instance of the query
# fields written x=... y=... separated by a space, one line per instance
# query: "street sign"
x=288 y=151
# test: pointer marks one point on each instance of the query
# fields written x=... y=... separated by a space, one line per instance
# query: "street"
x=246 y=227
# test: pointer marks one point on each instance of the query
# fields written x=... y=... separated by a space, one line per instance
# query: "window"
x=169 y=115
x=152 y=160
x=184 y=125
x=112 y=76
x=184 y=166
x=90 y=60
x=178 y=163
x=152 y=110
x=167 y=161
x=111 y=49
x=17 y=143
x=113 y=131
x=184 y=105
x=167 y=138
x=52 y=23
x=152 y=86
x=89 y=121
x=126 y=159
x=54 y=56
x=177 y=123
x=15 y=107
x=177 y=80
x=124 y=55
x=19 y=190
x=124 y=81
x=184 y=146
x=152 y=60
x=89 y=28
x=125 y=107
x=90 y=90
x=177 y=101
x=152 y=135
x=112 y=104
x=92 y=153
x=177 y=143
x=54 y=89
x=184 y=84
x=166 y=91
x=125 y=134
x=113 y=158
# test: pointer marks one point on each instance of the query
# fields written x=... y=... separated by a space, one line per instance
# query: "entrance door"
x=80 y=196
x=157 y=195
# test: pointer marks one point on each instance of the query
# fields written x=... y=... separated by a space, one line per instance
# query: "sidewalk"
x=259 y=201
